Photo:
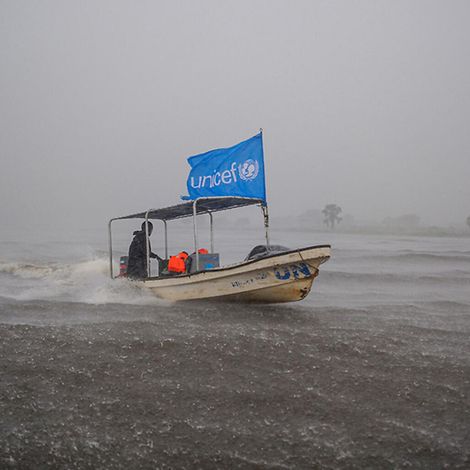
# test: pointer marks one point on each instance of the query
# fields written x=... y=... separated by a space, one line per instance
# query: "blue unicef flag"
x=234 y=171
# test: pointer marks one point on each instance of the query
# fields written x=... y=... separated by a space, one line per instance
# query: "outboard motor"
x=123 y=266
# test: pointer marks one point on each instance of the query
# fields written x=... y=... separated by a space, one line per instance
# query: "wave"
x=85 y=281
x=448 y=304
x=27 y=270
x=407 y=258
x=414 y=256
x=456 y=276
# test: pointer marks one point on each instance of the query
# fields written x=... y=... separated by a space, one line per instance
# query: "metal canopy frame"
x=199 y=206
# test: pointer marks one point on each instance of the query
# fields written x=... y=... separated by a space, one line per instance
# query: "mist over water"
x=364 y=105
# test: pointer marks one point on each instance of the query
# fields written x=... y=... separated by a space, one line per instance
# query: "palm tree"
x=331 y=213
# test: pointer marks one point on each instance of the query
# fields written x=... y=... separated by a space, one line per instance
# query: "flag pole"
x=265 y=206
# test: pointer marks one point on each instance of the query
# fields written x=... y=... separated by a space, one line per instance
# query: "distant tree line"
x=331 y=217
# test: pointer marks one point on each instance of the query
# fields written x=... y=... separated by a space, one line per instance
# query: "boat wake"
x=84 y=281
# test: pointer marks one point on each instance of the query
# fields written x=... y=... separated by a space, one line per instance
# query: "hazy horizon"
x=363 y=104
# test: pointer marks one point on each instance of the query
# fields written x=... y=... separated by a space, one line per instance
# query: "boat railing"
x=183 y=210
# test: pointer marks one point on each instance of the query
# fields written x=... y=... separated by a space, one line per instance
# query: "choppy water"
x=364 y=270
x=372 y=370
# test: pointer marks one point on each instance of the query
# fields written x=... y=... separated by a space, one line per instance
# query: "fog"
x=365 y=104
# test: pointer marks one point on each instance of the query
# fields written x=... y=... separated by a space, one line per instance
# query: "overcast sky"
x=363 y=103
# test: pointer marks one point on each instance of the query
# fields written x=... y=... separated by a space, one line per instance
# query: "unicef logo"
x=248 y=170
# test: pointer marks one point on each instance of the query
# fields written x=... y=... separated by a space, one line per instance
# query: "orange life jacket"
x=177 y=264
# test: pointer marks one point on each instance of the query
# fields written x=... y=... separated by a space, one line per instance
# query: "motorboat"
x=269 y=274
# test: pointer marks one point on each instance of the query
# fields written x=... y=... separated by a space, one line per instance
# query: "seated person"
x=137 y=261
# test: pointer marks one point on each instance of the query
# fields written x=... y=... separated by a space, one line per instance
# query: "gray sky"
x=364 y=103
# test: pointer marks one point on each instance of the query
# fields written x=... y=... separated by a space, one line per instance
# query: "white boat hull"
x=283 y=277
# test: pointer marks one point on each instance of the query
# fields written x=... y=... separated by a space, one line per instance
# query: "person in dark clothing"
x=137 y=261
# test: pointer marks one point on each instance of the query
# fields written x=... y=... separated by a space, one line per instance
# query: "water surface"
x=371 y=370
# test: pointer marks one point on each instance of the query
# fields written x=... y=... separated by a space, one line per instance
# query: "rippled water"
x=371 y=370
x=364 y=270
